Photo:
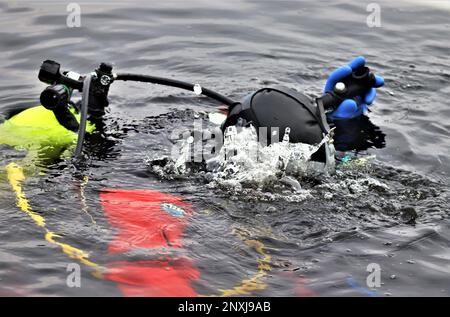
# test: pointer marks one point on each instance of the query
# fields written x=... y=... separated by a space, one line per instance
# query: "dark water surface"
x=393 y=212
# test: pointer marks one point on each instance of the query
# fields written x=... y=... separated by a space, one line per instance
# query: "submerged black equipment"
x=270 y=108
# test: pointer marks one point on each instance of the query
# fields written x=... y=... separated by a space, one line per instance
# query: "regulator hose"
x=140 y=78
x=178 y=84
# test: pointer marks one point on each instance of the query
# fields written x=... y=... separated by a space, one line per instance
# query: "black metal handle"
x=98 y=91
x=50 y=73
x=57 y=96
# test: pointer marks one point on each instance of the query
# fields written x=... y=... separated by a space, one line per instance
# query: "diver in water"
x=48 y=130
x=348 y=93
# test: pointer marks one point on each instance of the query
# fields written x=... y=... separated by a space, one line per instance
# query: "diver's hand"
x=350 y=108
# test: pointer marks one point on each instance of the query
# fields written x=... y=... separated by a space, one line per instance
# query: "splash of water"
x=243 y=162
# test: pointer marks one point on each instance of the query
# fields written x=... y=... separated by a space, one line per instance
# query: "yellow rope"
x=85 y=207
x=16 y=177
x=255 y=283
x=245 y=287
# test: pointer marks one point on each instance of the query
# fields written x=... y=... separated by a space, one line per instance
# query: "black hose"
x=141 y=78
x=176 y=83
x=83 y=115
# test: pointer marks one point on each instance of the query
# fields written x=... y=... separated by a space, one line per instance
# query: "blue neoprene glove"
x=350 y=108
